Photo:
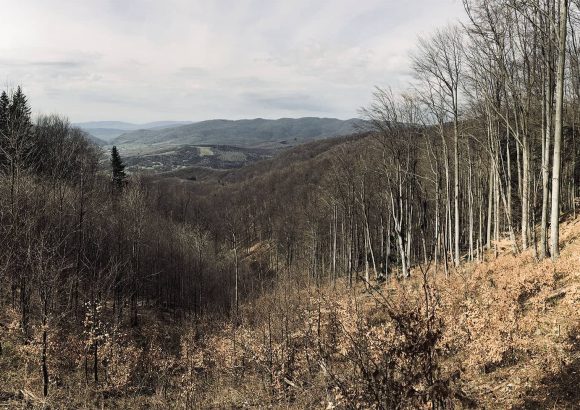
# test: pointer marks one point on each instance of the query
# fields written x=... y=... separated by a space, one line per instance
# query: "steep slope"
x=516 y=324
x=507 y=337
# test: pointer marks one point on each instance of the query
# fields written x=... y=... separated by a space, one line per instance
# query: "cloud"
x=62 y=65
x=191 y=72
x=288 y=102
x=146 y=60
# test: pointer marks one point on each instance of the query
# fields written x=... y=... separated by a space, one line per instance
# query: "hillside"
x=96 y=140
x=506 y=333
x=280 y=284
x=108 y=130
x=223 y=144
x=425 y=256
x=256 y=133
x=307 y=156
x=509 y=338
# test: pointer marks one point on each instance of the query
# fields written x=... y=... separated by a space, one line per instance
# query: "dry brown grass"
x=510 y=338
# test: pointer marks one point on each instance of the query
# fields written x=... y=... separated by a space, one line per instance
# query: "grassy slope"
x=511 y=323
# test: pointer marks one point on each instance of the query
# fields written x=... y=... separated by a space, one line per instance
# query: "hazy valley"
x=219 y=144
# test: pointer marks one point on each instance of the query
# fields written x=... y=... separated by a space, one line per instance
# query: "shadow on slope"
x=561 y=389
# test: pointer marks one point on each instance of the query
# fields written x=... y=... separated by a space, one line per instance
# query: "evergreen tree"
x=19 y=109
x=16 y=140
x=4 y=107
x=18 y=128
x=19 y=120
x=118 y=169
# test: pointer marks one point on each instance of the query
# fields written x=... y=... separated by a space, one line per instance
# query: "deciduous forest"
x=429 y=261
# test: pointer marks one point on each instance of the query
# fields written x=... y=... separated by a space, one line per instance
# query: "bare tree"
x=559 y=121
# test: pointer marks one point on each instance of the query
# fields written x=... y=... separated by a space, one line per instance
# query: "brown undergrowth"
x=500 y=334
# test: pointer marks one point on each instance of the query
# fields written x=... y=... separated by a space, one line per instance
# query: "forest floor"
x=529 y=331
x=511 y=338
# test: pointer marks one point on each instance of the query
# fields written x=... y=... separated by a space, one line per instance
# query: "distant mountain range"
x=256 y=133
x=108 y=130
x=215 y=143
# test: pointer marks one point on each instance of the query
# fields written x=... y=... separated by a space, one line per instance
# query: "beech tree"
x=559 y=122
x=438 y=63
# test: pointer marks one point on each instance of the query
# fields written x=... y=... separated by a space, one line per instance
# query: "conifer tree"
x=20 y=107
x=16 y=143
x=118 y=170
x=19 y=123
x=4 y=106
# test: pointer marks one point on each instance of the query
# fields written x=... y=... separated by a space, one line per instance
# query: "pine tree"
x=19 y=118
x=17 y=129
x=118 y=169
x=20 y=108
x=4 y=107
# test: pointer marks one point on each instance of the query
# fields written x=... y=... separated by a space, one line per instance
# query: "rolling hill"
x=108 y=130
x=224 y=144
x=255 y=133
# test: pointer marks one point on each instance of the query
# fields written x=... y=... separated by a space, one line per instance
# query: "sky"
x=149 y=60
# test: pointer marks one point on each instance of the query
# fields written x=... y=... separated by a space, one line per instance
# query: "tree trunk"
x=544 y=250
x=557 y=166
x=456 y=186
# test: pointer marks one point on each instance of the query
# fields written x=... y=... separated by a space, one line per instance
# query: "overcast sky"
x=147 y=60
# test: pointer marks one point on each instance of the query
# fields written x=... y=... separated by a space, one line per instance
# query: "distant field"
x=216 y=157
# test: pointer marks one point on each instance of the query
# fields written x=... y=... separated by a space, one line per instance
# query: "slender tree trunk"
x=456 y=186
x=236 y=293
x=45 y=378
x=470 y=202
x=556 y=165
x=544 y=249
x=366 y=256
x=490 y=202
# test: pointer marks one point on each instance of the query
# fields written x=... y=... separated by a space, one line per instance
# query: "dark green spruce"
x=119 y=178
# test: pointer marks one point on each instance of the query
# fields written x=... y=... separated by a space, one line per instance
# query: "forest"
x=421 y=264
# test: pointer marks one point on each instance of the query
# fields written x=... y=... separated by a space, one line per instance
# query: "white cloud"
x=145 y=60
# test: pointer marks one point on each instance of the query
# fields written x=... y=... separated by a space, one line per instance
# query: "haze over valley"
x=164 y=146
x=109 y=130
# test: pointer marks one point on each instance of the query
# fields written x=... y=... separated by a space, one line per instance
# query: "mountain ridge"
x=255 y=133
x=128 y=126
x=108 y=130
